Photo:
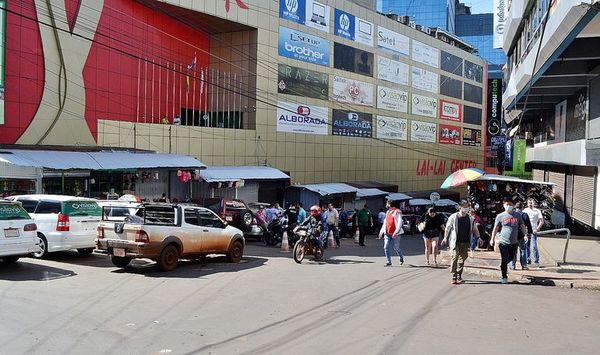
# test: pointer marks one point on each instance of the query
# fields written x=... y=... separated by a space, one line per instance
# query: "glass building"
x=477 y=30
x=430 y=13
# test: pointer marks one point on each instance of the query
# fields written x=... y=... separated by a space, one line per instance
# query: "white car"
x=118 y=210
x=63 y=222
x=17 y=232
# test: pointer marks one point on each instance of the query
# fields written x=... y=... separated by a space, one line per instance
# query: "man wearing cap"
x=459 y=227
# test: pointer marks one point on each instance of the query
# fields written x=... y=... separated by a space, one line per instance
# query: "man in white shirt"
x=537 y=222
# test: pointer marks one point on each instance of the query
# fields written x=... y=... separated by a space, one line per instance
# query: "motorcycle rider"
x=314 y=224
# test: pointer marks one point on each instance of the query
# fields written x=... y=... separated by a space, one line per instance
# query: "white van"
x=17 y=232
x=63 y=222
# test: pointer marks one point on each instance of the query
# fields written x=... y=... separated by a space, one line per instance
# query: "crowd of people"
x=514 y=231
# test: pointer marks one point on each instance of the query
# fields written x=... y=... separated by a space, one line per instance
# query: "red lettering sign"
x=438 y=167
x=238 y=2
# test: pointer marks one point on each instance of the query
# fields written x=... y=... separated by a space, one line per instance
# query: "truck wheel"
x=169 y=258
x=245 y=220
x=120 y=261
x=236 y=251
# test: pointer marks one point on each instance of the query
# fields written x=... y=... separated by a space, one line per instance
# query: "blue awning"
x=329 y=188
x=237 y=173
x=102 y=160
x=398 y=196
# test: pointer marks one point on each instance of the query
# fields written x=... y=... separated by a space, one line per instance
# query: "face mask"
x=465 y=209
x=508 y=208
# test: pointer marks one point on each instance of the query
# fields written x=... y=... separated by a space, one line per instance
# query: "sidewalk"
x=582 y=269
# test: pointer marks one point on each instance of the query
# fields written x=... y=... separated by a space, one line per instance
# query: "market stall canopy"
x=398 y=196
x=329 y=188
x=420 y=202
x=493 y=177
x=365 y=193
x=102 y=160
x=445 y=203
x=461 y=177
x=238 y=173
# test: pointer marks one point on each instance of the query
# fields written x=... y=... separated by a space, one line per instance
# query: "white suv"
x=17 y=232
x=63 y=222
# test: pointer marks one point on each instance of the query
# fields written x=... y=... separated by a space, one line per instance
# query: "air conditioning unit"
x=405 y=20
x=412 y=24
x=393 y=17
x=418 y=27
x=427 y=30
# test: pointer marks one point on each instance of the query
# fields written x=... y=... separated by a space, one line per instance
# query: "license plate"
x=11 y=233
x=228 y=218
x=119 y=252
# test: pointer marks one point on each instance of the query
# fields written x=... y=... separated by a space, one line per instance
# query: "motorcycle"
x=274 y=233
x=307 y=244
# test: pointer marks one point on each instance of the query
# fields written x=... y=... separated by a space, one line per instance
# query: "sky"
x=480 y=6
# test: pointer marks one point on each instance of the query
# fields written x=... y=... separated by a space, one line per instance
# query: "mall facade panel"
x=327 y=91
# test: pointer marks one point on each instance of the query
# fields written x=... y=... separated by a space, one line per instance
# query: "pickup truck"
x=167 y=232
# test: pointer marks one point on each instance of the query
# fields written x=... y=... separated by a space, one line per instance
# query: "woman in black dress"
x=434 y=225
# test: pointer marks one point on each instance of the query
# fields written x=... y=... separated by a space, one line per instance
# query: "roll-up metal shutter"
x=584 y=194
x=248 y=192
x=559 y=188
x=538 y=174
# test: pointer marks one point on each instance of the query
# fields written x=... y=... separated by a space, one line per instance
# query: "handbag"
x=421 y=226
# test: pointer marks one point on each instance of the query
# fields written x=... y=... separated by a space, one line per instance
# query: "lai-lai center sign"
x=440 y=167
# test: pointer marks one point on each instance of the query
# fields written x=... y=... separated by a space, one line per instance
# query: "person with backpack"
x=392 y=231
x=458 y=231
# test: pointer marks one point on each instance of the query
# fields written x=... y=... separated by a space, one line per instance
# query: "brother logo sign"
x=302 y=46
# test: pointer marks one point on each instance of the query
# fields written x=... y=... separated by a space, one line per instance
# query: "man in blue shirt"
x=301 y=212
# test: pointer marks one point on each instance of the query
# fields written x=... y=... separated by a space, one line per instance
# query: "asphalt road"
x=348 y=304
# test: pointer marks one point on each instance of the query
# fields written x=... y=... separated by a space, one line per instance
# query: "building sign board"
x=300 y=118
x=423 y=132
x=392 y=128
x=392 y=99
x=302 y=82
x=352 y=91
x=424 y=105
x=352 y=124
x=303 y=46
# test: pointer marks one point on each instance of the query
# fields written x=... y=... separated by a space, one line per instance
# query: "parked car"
x=63 y=222
x=234 y=212
x=118 y=210
x=18 y=236
x=167 y=232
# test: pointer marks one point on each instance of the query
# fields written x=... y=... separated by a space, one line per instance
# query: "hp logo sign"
x=291 y=5
x=344 y=22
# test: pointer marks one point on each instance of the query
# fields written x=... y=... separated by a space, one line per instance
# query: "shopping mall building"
x=326 y=91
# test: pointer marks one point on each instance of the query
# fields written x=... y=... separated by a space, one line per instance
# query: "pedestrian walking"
x=434 y=225
x=505 y=230
x=522 y=243
x=380 y=220
x=458 y=230
x=392 y=231
x=474 y=238
x=365 y=222
x=333 y=220
x=537 y=222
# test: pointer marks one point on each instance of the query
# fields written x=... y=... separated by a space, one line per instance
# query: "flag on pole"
x=192 y=67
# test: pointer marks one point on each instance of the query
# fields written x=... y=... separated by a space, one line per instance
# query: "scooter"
x=274 y=233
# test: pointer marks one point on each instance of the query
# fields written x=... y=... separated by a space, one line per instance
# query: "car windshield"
x=81 y=208
x=11 y=211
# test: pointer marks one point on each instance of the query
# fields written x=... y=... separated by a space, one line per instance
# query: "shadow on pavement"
x=73 y=257
x=197 y=268
x=24 y=271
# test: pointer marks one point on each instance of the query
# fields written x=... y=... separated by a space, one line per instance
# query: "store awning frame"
x=241 y=173
x=327 y=189
x=100 y=160
x=369 y=193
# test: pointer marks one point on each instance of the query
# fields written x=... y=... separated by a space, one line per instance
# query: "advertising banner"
x=352 y=91
x=449 y=134
x=353 y=28
x=424 y=106
x=493 y=124
x=499 y=20
x=425 y=54
x=307 y=119
x=392 y=128
x=393 y=41
x=302 y=46
x=423 y=132
x=392 y=71
x=306 y=12
x=450 y=111
x=352 y=124
x=424 y=80
x=302 y=82
x=352 y=59
x=471 y=137
x=392 y=99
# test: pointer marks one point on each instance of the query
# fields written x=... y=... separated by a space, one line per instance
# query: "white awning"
x=445 y=203
x=237 y=173
x=398 y=196
x=493 y=177
x=103 y=160
x=329 y=188
x=364 y=193
x=420 y=202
